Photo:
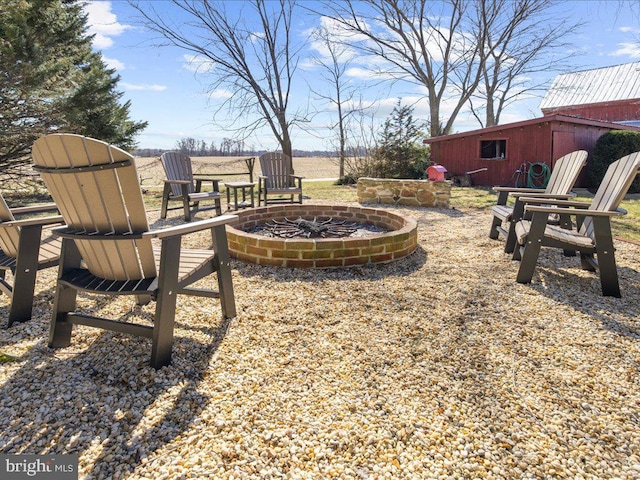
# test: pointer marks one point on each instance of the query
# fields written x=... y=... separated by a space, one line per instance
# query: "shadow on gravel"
x=104 y=398
x=584 y=293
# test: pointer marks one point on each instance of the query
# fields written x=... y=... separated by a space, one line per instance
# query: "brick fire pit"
x=400 y=240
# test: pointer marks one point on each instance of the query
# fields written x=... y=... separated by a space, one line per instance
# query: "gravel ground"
x=436 y=366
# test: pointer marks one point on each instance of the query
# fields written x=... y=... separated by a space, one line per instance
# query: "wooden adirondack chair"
x=107 y=247
x=24 y=253
x=593 y=237
x=182 y=185
x=277 y=179
x=563 y=177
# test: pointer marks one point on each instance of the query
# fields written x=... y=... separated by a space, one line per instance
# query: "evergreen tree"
x=52 y=81
x=399 y=151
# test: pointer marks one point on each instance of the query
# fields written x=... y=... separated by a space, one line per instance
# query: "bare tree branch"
x=334 y=59
x=256 y=63
x=523 y=37
x=418 y=41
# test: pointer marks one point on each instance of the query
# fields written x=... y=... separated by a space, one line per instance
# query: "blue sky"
x=166 y=91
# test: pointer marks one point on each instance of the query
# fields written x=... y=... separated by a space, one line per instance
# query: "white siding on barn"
x=609 y=84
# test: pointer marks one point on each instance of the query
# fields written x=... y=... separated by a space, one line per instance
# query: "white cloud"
x=103 y=23
x=198 y=63
x=367 y=74
x=634 y=30
x=629 y=49
x=220 y=93
x=142 y=87
x=113 y=63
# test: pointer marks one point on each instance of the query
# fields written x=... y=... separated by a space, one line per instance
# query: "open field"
x=151 y=173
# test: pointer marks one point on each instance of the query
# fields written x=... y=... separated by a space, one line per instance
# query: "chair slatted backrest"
x=95 y=186
x=277 y=168
x=9 y=236
x=614 y=186
x=177 y=166
x=565 y=172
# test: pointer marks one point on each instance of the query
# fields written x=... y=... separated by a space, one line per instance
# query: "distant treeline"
x=156 y=152
x=228 y=147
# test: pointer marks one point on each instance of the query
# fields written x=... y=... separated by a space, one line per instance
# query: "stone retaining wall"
x=419 y=193
x=322 y=252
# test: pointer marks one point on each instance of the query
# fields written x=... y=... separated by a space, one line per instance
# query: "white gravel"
x=436 y=366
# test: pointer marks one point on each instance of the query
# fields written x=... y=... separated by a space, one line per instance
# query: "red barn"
x=578 y=108
x=611 y=94
x=505 y=149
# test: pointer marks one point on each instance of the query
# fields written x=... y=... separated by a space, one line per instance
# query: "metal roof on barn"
x=566 y=119
x=609 y=84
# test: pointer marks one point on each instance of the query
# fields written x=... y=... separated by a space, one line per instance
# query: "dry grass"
x=151 y=173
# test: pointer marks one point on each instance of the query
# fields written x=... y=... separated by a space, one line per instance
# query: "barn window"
x=493 y=148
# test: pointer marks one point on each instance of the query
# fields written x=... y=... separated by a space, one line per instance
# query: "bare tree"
x=523 y=37
x=419 y=41
x=255 y=62
x=333 y=58
x=225 y=146
x=186 y=145
x=360 y=150
x=458 y=50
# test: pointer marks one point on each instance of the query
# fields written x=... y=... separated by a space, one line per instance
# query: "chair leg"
x=606 y=257
x=142 y=300
x=162 y=340
x=516 y=215
x=166 y=192
x=223 y=268
x=493 y=232
x=25 y=274
x=532 y=247
x=4 y=285
x=185 y=204
x=511 y=241
x=65 y=301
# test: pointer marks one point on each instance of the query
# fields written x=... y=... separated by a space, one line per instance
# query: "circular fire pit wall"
x=399 y=240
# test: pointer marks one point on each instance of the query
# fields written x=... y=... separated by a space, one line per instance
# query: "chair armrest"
x=572 y=211
x=522 y=196
x=191 y=227
x=517 y=189
x=45 y=207
x=551 y=201
x=297 y=177
x=178 y=182
x=34 y=221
